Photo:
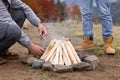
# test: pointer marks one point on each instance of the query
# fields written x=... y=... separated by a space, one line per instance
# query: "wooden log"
x=53 y=60
x=60 y=61
x=74 y=52
x=50 y=46
x=70 y=52
x=65 y=56
x=52 y=57
x=56 y=60
x=52 y=50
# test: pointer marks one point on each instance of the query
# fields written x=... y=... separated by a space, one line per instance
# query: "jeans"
x=9 y=33
x=86 y=7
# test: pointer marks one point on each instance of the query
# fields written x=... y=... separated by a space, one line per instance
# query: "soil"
x=109 y=68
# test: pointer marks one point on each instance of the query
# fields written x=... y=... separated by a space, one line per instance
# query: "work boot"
x=2 y=60
x=87 y=44
x=8 y=55
x=108 y=46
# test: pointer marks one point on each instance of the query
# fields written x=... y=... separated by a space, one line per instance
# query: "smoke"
x=55 y=31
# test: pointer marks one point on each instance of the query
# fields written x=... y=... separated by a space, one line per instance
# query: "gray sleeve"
x=24 y=40
x=31 y=16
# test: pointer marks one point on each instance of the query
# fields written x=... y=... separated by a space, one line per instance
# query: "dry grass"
x=76 y=30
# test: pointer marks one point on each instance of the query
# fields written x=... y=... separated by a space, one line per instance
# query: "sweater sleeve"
x=31 y=16
x=24 y=40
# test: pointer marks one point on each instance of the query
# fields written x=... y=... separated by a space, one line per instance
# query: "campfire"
x=61 y=52
x=60 y=56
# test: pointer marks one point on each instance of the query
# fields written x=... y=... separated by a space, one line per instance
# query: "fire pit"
x=60 y=56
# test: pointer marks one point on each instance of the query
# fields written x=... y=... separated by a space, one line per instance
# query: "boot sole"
x=87 y=49
x=2 y=62
x=112 y=53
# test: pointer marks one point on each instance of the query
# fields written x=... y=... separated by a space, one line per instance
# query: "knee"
x=21 y=19
x=105 y=15
x=87 y=17
x=14 y=32
x=21 y=14
x=17 y=32
x=86 y=13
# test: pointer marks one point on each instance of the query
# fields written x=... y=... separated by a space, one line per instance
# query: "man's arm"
x=31 y=16
x=26 y=42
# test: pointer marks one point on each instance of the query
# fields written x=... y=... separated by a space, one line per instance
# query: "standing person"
x=11 y=22
x=86 y=7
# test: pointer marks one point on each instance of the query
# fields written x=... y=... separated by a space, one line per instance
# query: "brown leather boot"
x=108 y=46
x=2 y=60
x=8 y=55
x=87 y=44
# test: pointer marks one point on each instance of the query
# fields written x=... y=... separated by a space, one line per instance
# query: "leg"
x=18 y=16
x=104 y=12
x=86 y=7
x=9 y=35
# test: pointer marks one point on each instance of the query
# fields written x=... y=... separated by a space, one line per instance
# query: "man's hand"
x=42 y=30
x=35 y=49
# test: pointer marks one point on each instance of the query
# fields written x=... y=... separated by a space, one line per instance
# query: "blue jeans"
x=86 y=7
x=9 y=34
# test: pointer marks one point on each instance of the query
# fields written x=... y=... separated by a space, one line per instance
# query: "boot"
x=87 y=44
x=8 y=55
x=2 y=60
x=108 y=45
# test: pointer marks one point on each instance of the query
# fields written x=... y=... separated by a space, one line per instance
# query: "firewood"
x=52 y=57
x=57 y=54
x=66 y=56
x=50 y=46
x=70 y=53
x=61 y=62
x=61 y=52
x=74 y=52
x=52 y=50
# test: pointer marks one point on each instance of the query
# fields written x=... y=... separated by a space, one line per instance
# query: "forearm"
x=24 y=40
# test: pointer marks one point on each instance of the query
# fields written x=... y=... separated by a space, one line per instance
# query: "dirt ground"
x=14 y=70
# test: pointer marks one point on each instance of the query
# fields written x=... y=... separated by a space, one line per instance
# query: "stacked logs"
x=61 y=52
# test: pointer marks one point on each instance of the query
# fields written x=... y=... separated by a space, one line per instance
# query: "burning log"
x=61 y=52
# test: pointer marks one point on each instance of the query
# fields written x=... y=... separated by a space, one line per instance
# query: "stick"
x=65 y=56
x=50 y=46
x=57 y=54
x=52 y=57
x=74 y=52
x=70 y=53
x=61 y=62
x=52 y=50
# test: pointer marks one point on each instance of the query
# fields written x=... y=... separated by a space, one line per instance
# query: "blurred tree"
x=73 y=11
x=62 y=6
x=46 y=7
x=47 y=10
x=56 y=13
x=35 y=6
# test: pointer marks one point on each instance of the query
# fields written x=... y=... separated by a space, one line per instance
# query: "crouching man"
x=11 y=22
